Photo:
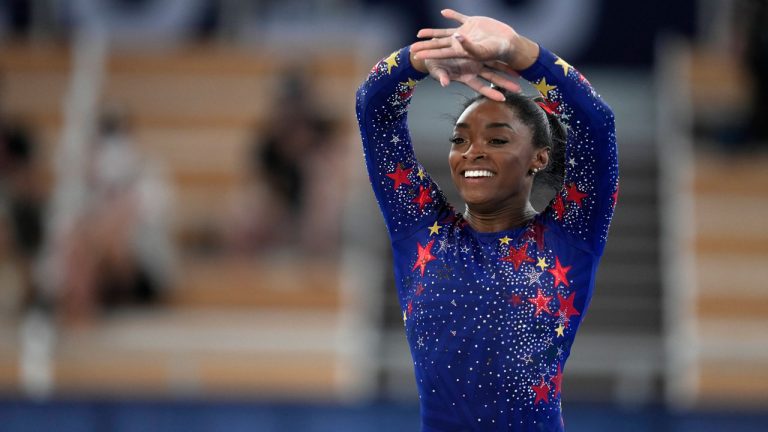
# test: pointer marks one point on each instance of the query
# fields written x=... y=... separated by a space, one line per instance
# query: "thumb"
x=473 y=50
x=442 y=76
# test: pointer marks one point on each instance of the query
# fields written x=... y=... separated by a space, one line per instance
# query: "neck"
x=500 y=219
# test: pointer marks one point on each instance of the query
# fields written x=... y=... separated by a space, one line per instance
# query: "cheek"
x=454 y=157
x=520 y=158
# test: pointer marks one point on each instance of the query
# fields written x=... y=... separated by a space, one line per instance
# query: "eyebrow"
x=488 y=126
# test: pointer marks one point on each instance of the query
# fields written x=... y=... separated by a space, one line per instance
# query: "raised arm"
x=584 y=206
x=408 y=198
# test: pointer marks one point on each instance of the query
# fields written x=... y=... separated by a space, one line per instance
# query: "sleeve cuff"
x=405 y=57
x=536 y=70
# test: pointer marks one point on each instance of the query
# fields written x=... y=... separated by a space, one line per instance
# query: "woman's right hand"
x=471 y=73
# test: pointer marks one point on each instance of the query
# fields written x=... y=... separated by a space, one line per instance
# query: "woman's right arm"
x=407 y=196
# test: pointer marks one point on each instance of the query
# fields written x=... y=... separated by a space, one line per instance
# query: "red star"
x=560 y=273
x=515 y=300
x=537 y=235
x=423 y=197
x=551 y=107
x=557 y=380
x=615 y=195
x=400 y=176
x=573 y=194
x=541 y=302
x=518 y=256
x=425 y=256
x=559 y=207
x=404 y=95
x=410 y=307
x=566 y=306
x=419 y=290
x=542 y=392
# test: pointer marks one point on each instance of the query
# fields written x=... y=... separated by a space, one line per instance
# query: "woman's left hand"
x=473 y=73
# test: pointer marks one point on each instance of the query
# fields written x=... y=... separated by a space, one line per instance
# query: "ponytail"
x=556 y=134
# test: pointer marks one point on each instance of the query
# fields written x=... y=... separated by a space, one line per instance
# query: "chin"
x=480 y=202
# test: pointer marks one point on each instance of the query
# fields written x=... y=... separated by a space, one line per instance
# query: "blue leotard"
x=491 y=317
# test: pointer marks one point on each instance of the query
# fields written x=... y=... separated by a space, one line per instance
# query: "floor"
x=235 y=416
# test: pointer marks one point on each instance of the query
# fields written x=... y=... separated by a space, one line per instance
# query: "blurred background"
x=188 y=240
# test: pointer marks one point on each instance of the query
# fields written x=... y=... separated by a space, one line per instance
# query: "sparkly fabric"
x=490 y=317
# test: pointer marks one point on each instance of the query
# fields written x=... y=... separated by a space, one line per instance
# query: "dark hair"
x=547 y=131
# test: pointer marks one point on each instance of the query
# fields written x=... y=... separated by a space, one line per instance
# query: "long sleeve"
x=584 y=206
x=406 y=194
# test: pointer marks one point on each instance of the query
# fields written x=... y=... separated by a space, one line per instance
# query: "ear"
x=541 y=158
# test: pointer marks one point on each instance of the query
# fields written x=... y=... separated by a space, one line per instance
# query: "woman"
x=491 y=297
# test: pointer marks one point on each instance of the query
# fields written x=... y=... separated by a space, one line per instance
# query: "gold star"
x=391 y=61
x=543 y=87
x=504 y=240
x=411 y=83
x=421 y=174
x=559 y=330
x=435 y=229
x=542 y=263
x=405 y=317
x=562 y=63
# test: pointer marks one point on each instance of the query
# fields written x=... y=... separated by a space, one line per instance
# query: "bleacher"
x=231 y=324
x=722 y=307
x=731 y=252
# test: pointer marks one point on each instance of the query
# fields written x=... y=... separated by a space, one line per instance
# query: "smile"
x=478 y=173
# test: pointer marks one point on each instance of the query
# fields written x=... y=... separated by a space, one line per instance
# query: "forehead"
x=488 y=111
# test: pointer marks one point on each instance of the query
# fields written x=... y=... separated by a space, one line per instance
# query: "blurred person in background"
x=492 y=297
x=119 y=251
x=295 y=169
x=22 y=198
x=755 y=28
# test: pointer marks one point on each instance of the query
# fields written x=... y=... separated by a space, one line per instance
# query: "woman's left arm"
x=584 y=206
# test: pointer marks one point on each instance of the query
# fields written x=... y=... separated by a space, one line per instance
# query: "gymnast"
x=492 y=297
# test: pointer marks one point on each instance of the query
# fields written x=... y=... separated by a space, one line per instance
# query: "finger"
x=431 y=44
x=500 y=80
x=473 y=50
x=481 y=87
x=502 y=67
x=442 y=76
x=442 y=53
x=435 y=33
x=452 y=14
x=492 y=94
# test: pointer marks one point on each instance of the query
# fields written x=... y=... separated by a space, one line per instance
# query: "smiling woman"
x=492 y=297
x=508 y=136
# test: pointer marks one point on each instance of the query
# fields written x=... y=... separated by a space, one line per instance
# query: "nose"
x=474 y=152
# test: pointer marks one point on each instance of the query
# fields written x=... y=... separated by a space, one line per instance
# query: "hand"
x=479 y=38
x=470 y=72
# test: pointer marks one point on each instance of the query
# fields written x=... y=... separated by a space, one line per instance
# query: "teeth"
x=477 y=173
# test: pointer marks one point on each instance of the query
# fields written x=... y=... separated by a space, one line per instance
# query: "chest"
x=460 y=285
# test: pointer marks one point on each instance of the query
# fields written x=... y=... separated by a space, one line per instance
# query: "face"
x=491 y=155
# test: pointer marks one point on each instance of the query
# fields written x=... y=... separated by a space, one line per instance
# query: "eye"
x=457 y=140
x=498 y=141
